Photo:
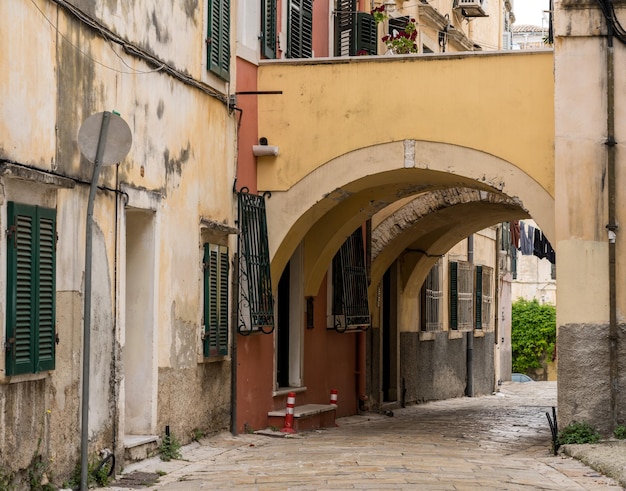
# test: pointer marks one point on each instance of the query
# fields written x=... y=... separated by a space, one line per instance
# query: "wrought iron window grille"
x=256 y=301
x=350 y=308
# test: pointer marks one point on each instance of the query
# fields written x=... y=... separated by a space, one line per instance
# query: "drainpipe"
x=233 y=348
x=612 y=225
x=469 y=336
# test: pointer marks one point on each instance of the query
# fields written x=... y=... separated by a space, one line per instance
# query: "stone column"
x=582 y=176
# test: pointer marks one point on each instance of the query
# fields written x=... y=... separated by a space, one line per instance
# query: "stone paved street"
x=497 y=442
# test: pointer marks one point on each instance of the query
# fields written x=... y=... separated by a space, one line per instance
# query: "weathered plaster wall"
x=582 y=196
x=180 y=168
x=436 y=369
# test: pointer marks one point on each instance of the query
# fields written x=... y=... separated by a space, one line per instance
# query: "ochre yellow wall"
x=501 y=104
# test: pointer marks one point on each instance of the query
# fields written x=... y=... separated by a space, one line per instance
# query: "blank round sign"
x=118 y=140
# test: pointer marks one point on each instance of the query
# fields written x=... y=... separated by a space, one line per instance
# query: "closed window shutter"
x=366 y=33
x=46 y=289
x=454 y=295
x=479 y=298
x=222 y=334
x=268 y=29
x=218 y=38
x=30 y=289
x=300 y=32
x=216 y=269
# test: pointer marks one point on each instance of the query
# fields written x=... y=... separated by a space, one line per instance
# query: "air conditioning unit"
x=470 y=8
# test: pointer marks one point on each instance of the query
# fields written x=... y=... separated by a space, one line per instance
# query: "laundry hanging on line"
x=532 y=242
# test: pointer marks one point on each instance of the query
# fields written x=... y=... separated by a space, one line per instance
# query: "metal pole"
x=84 y=440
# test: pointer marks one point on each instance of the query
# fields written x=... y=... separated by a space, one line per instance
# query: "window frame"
x=38 y=345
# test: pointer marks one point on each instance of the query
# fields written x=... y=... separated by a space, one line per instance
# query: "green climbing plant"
x=533 y=333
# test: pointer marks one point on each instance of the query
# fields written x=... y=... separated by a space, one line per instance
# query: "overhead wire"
x=110 y=37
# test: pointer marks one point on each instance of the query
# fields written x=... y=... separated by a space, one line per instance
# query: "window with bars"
x=355 y=32
x=300 y=29
x=218 y=38
x=31 y=289
x=484 y=297
x=461 y=296
x=256 y=301
x=432 y=299
x=216 y=267
x=350 y=307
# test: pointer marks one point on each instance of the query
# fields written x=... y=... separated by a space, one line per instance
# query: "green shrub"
x=620 y=432
x=169 y=448
x=578 y=433
x=533 y=333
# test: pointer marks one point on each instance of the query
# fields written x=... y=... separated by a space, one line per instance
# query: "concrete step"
x=139 y=447
x=305 y=417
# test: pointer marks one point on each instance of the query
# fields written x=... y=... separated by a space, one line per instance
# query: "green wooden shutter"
x=216 y=267
x=46 y=289
x=454 y=295
x=218 y=38
x=268 y=28
x=300 y=29
x=479 y=298
x=222 y=334
x=30 y=289
x=365 y=37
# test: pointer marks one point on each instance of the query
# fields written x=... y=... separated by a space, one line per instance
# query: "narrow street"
x=498 y=442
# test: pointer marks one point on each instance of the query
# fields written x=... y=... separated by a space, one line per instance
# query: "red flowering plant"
x=398 y=42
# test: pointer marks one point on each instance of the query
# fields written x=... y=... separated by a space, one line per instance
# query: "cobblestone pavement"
x=497 y=442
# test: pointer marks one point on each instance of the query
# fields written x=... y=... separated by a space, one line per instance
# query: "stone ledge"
x=304 y=411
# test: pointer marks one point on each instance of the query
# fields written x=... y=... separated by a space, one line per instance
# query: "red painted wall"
x=247 y=133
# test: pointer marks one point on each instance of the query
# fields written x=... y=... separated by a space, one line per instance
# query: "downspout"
x=469 y=336
x=233 y=349
x=612 y=225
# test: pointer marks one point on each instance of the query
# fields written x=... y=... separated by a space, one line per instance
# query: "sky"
x=529 y=11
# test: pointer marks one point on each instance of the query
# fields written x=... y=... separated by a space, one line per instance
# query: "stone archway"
x=324 y=207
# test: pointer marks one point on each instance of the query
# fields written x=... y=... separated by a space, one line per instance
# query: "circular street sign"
x=117 y=143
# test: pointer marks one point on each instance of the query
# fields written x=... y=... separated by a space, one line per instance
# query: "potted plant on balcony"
x=399 y=42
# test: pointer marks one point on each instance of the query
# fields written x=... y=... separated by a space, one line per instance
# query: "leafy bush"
x=533 y=333
x=578 y=433
x=170 y=448
x=620 y=432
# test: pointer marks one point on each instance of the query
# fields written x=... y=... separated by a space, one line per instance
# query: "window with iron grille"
x=218 y=38
x=216 y=267
x=31 y=289
x=484 y=297
x=355 y=32
x=461 y=296
x=432 y=299
x=256 y=301
x=350 y=307
x=300 y=29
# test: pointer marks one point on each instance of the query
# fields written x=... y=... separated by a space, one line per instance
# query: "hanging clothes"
x=539 y=246
x=550 y=254
x=515 y=234
x=526 y=239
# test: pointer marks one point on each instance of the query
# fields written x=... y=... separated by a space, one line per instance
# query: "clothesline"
x=530 y=241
